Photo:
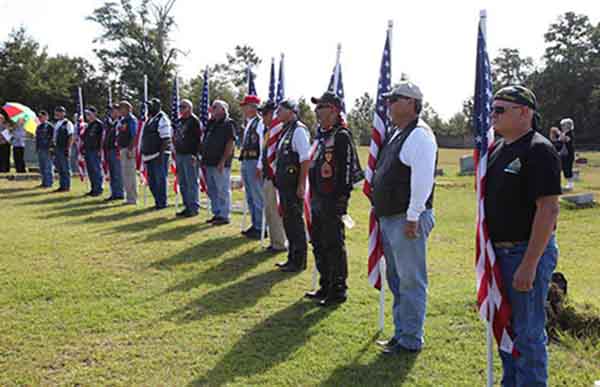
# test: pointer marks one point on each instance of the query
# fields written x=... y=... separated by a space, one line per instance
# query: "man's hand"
x=524 y=277
x=194 y=159
x=410 y=229
x=301 y=191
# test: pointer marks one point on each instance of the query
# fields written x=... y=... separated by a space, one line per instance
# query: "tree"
x=360 y=119
x=509 y=68
x=136 y=41
x=234 y=70
x=431 y=117
x=307 y=115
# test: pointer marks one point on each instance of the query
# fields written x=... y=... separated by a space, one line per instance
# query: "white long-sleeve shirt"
x=419 y=152
x=164 y=131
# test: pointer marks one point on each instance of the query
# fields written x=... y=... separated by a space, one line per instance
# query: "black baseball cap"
x=60 y=109
x=328 y=98
x=267 y=106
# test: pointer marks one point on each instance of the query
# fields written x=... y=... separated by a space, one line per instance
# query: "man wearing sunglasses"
x=186 y=138
x=403 y=186
x=521 y=206
x=92 y=146
x=291 y=169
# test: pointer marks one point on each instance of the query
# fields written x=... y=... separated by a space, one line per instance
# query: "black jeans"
x=4 y=157
x=293 y=224
x=329 y=248
x=567 y=165
x=19 y=158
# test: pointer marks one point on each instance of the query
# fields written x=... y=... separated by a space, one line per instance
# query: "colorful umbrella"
x=17 y=111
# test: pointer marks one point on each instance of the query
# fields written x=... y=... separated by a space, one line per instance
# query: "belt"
x=507 y=245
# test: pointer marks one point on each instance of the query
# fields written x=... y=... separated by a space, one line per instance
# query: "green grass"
x=96 y=294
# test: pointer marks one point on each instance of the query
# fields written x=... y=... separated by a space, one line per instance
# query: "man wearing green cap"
x=521 y=206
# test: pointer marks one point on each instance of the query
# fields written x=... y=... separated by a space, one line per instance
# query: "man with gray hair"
x=126 y=139
x=403 y=185
x=217 y=153
x=186 y=138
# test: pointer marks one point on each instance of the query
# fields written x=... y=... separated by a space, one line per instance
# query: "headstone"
x=467 y=165
x=439 y=172
x=236 y=183
x=580 y=200
x=30 y=155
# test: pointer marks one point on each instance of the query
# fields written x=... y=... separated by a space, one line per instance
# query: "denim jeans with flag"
x=528 y=320
x=406 y=271
x=93 y=163
x=45 y=167
x=187 y=177
x=253 y=186
x=157 y=178
x=219 y=191
x=116 y=177
x=63 y=167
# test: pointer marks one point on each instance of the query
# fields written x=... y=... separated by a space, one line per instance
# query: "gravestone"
x=236 y=183
x=439 y=172
x=580 y=200
x=467 y=165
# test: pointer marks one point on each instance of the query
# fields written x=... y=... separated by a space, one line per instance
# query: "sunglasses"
x=397 y=98
x=502 y=109
x=323 y=106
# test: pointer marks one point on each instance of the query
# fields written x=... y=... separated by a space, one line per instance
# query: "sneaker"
x=219 y=221
x=211 y=219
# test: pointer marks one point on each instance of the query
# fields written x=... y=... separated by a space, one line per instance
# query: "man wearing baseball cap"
x=293 y=160
x=521 y=208
x=273 y=219
x=403 y=187
x=92 y=145
x=62 y=143
x=249 y=155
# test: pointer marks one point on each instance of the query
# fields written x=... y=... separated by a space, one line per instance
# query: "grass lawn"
x=97 y=294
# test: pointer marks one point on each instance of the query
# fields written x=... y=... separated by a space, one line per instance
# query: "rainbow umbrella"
x=17 y=112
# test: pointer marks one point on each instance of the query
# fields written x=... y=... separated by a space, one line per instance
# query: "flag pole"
x=145 y=184
x=490 y=308
x=175 y=183
x=382 y=268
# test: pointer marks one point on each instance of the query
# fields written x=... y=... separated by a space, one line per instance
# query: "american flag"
x=272 y=81
x=80 y=130
x=251 y=86
x=175 y=114
x=141 y=168
x=378 y=133
x=204 y=122
x=276 y=129
x=489 y=279
x=337 y=88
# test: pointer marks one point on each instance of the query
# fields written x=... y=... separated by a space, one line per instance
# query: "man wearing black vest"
x=331 y=183
x=111 y=153
x=126 y=139
x=62 y=143
x=156 y=150
x=293 y=160
x=186 y=137
x=217 y=153
x=521 y=212
x=249 y=155
x=43 y=142
x=92 y=146
x=403 y=186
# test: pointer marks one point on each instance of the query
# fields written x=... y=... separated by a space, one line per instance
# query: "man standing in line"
x=111 y=153
x=43 y=142
x=92 y=145
x=126 y=134
x=62 y=143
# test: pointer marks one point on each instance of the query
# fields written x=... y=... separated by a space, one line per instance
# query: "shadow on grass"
x=209 y=249
x=124 y=215
x=231 y=299
x=384 y=370
x=78 y=209
x=266 y=345
x=226 y=271
x=51 y=200
x=10 y=195
x=179 y=232
x=143 y=225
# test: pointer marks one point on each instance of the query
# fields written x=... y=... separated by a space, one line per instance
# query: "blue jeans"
x=63 y=166
x=528 y=320
x=187 y=175
x=116 y=177
x=157 y=179
x=253 y=187
x=45 y=167
x=93 y=164
x=406 y=270
x=219 y=191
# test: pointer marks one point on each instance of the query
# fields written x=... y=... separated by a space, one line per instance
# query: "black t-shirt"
x=518 y=174
x=187 y=135
x=218 y=134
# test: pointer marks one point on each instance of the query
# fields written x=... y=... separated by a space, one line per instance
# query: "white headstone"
x=467 y=165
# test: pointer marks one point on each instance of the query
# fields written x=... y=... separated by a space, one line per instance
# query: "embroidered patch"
x=326 y=171
x=328 y=156
x=514 y=167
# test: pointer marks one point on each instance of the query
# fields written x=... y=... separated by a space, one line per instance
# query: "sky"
x=433 y=41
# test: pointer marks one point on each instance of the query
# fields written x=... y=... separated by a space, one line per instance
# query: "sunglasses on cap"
x=502 y=109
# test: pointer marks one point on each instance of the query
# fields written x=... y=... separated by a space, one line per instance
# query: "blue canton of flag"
x=385 y=84
x=339 y=88
x=251 y=86
x=272 y=81
x=204 y=101
x=482 y=102
x=280 y=83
